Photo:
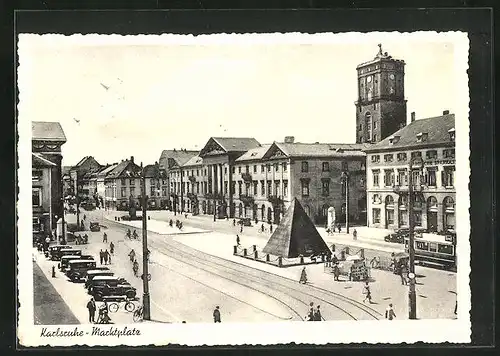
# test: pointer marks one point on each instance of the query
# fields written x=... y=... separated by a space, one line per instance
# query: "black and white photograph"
x=214 y=189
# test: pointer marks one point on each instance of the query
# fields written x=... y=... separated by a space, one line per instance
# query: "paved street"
x=49 y=307
x=435 y=288
x=195 y=271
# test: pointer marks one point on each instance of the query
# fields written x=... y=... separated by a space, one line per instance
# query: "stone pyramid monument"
x=296 y=235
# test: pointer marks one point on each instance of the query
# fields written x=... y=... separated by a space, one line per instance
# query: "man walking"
x=92 y=308
x=238 y=240
x=367 y=293
x=317 y=314
x=107 y=257
x=389 y=313
x=216 y=315
x=105 y=238
x=112 y=248
x=354 y=235
x=101 y=256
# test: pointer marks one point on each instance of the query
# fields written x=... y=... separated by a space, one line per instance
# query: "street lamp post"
x=345 y=177
x=412 y=298
x=145 y=275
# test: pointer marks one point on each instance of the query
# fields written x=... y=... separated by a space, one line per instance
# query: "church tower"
x=381 y=104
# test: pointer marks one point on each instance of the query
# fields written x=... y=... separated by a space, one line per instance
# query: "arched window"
x=403 y=201
x=307 y=210
x=449 y=204
x=417 y=204
x=240 y=210
x=389 y=200
x=368 y=121
x=377 y=199
x=324 y=210
x=432 y=203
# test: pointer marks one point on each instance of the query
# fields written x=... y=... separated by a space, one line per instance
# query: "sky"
x=117 y=98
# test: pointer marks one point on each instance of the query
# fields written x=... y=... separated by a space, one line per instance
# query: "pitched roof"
x=104 y=172
x=236 y=144
x=254 y=153
x=180 y=157
x=39 y=160
x=437 y=129
x=151 y=171
x=47 y=131
x=120 y=168
x=298 y=149
x=296 y=235
x=194 y=161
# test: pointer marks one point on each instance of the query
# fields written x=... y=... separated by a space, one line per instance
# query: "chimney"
x=413 y=116
x=289 y=139
x=132 y=159
x=446 y=112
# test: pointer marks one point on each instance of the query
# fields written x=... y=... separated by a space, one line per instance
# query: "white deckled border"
x=399 y=331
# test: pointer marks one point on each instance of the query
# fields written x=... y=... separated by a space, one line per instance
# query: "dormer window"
x=451 y=132
x=422 y=136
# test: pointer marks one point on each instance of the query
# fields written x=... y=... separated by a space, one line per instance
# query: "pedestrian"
x=112 y=248
x=186 y=215
x=216 y=315
x=310 y=315
x=271 y=228
x=237 y=240
x=317 y=314
x=234 y=222
x=354 y=234
x=131 y=254
x=367 y=293
x=389 y=313
x=456 y=304
x=101 y=256
x=339 y=227
x=135 y=268
x=105 y=238
x=215 y=218
x=92 y=308
x=107 y=257
x=336 y=272
x=262 y=228
x=403 y=272
x=303 y=276
x=241 y=228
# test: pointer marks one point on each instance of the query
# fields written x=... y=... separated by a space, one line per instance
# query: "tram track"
x=278 y=288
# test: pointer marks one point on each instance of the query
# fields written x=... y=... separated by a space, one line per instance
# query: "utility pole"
x=145 y=273
x=412 y=298
x=345 y=178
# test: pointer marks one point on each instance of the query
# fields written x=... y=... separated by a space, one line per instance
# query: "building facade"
x=381 y=104
x=433 y=141
x=47 y=185
x=83 y=176
x=240 y=178
x=123 y=186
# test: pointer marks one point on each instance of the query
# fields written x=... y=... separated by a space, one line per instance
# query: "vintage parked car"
x=64 y=263
x=94 y=227
x=57 y=254
x=96 y=271
x=395 y=238
x=52 y=250
x=77 y=268
x=104 y=286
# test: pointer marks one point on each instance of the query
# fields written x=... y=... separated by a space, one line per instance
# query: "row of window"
x=131 y=181
x=401 y=157
x=325 y=166
x=432 y=203
x=250 y=188
x=449 y=218
x=401 y=178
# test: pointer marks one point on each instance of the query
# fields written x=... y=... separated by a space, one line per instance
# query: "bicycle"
x=129 y=306
x=138 y=314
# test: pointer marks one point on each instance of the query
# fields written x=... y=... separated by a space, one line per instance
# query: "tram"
x=434 y=250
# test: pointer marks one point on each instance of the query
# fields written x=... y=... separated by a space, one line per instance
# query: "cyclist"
x=135 y=235
x=135 y=268
x=128 y=233
x=132 y=255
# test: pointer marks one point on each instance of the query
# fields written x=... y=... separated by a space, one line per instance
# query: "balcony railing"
x=192 y=196
x=275 y=200
x=247 y=200
x=247 y=177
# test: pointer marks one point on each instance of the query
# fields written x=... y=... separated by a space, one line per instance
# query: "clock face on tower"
x=369 y=79
x=391 y=76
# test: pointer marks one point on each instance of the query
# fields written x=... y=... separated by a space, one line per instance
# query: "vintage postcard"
x=231 y=189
